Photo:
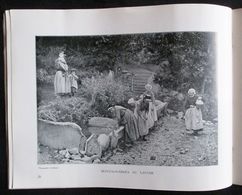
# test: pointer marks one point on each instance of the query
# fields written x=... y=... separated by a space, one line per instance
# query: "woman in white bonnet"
x=61 y=80
x=193 y=113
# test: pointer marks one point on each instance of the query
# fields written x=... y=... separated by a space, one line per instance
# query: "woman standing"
x=127 y=119
x=61 y=80
x=193 y=113
x=152 y=114
x=141 y=109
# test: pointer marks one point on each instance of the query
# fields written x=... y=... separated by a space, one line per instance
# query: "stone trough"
x=66 y=136
x=105 y=134
x=60 y=135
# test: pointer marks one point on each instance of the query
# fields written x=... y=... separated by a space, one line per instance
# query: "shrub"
x=72 y=109
x=102 y=92
x=95 y=96
x=43 y=77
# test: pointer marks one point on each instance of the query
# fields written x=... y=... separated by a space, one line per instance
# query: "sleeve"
x=61 y=64
x=117 y=113
x=152 y=97
x=57 y=65
x=75 y=76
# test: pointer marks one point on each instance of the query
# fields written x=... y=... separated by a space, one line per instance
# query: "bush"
x=102 y=92
x=46 y=58
x=72 y=109
x=43 y=77
x=93 y=99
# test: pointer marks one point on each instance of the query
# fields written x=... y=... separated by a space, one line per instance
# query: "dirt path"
x=170 y=145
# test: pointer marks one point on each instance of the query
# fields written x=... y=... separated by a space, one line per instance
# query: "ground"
x=167 y=145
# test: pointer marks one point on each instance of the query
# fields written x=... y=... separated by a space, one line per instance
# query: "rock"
x=119 y=150
x=104 y=141
x=82 y=152
x=76 y=157
x=102 y=125
x=184 y=151
x=59 y=135
x=169 y=111
x=74 y=151
x=93 y=146
x=201 y=158
x=114 y=137
x=76 y=162
x=86 y=159
x=82 y=143
x=65 y=160
x=153 y=158
x=97 y=161
x=62 y=152
x=67 y=155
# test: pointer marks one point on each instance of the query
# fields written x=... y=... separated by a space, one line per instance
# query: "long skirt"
x=142 y=124
x=67 y=85
x=152 y=115
x=59 y=83
x=193 y=119
x=153 y=111
x=131 y=127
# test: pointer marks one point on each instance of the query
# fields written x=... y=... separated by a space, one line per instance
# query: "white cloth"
x=152 y=115
x=159 y=104
x=61 y=80
x=193 y=119
x=73 y=80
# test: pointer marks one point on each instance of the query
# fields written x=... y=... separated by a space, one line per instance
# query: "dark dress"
x=127 y=118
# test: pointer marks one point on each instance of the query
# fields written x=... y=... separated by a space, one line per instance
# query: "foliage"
x=190 y=63
x=97 y=93
x=73 y=109
x=185 y=60
x=103 y=92
x=43 y=77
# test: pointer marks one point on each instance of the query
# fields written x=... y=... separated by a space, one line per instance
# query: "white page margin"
x=172 y=18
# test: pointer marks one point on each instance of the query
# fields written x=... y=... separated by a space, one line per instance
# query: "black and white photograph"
x=146 y=99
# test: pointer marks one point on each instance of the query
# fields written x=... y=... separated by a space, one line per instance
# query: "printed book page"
x=237 y=93
x=121 y=98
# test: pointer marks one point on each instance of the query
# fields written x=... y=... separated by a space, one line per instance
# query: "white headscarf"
x=148 y=87
x=191 y=92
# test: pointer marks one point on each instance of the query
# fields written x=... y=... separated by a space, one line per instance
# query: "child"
x=193 y=113
x=73 y=80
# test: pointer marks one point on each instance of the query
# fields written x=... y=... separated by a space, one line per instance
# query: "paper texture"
x=237 y=95
x=26 y=25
